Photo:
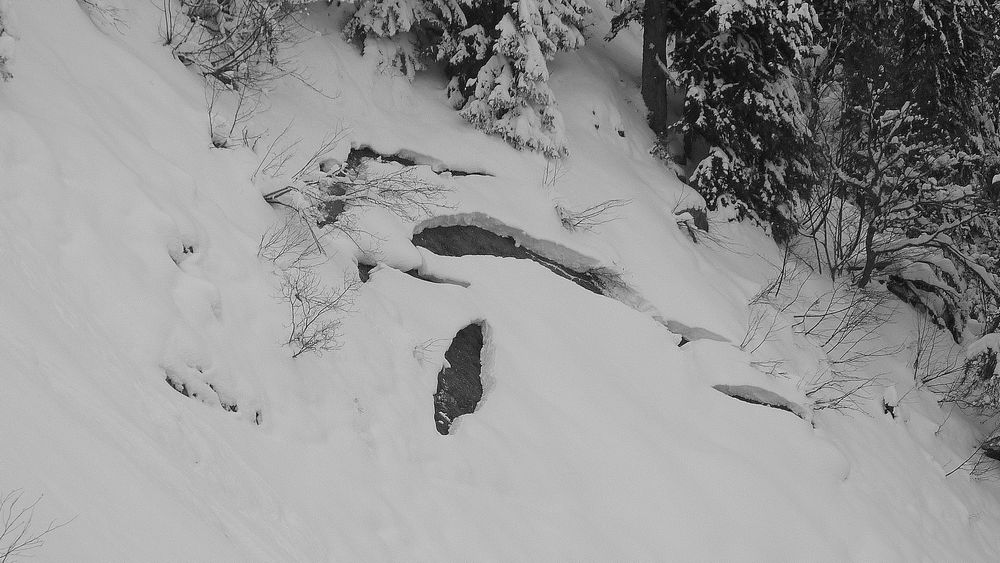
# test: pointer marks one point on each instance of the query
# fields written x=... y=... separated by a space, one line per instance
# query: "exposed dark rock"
x=192 y=385
x=991 y=448
x=332 y=208
x=460 y=385
x=759 y=396
x=698 y=223
x=888 y=408
x=977 y=385
x=434 y=279
x=922 y=295
x=465 y=240
x=178 y=386
x=228 y=406
x=700 y=216
x=359 y=154
x=364 y=271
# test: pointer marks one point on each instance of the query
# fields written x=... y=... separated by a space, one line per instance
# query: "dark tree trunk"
x=870 y=256
x=654 y=57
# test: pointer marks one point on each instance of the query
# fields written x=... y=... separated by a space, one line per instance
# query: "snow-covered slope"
x=129 y=254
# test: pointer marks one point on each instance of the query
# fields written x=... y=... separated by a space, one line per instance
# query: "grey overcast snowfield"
x=434 y=281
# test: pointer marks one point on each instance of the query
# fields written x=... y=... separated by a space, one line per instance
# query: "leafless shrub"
x=324 y=148
x=313 y=310
x=103 y=14
x=277 y=155
x=982 y=462
x=555 y=169
x=426 y=350
x=845 y=323
x=590 y=217
x=840 y=389
x=233 y=128
x=768 y=309
x=18 y=533
x=290 y=243
x=400 y=191
x=936 y=357
x=240 y=43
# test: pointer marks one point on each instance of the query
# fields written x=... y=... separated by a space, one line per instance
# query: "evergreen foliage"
x=746 y=138
x=495 y=54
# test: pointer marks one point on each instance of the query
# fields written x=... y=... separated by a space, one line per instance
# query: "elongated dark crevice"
x=359 y=154
x=192 y=386
x=759 y=396
x=434 y=279
x=465 y=240
x=460 y=385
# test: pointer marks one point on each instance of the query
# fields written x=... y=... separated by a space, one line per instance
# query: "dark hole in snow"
x=434 y=279
x=684 y=340
x=460 y=386
x=178 y=386
x=991 y=448
x=226 y=405
x=888 y=409
x=329 y=211
x=700 y=216
x=621 y=133
x=190 y=389
x=464 y=240
x=359 y=154
x=759 y=396
x=364 y=271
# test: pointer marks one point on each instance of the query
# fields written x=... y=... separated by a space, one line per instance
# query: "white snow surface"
x=597 y=439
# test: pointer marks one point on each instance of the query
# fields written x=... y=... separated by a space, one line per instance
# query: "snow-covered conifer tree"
x=406 y=24
x=736 y=62
x=495 y=53
x=510 y=96
x=6 y=43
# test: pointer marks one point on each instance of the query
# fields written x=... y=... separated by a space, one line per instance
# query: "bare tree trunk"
x=654 y=59
x=870 y=256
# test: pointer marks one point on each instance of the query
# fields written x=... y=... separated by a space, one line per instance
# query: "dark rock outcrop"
x=460 y=385
x=465 y=240
x=763 y=397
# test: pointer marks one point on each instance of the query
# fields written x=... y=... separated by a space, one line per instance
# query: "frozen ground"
x=129 y=254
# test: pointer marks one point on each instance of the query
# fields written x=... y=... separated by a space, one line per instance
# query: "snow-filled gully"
x=470 y=239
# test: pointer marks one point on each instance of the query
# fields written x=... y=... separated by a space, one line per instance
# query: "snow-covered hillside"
x=129 y=256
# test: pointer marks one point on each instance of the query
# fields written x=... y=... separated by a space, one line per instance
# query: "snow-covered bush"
x=237 y=42
x=742 y=135
x=6 y=42
x=19 y=533
x=495 y=53
x=978 y=386
x=898 y=201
